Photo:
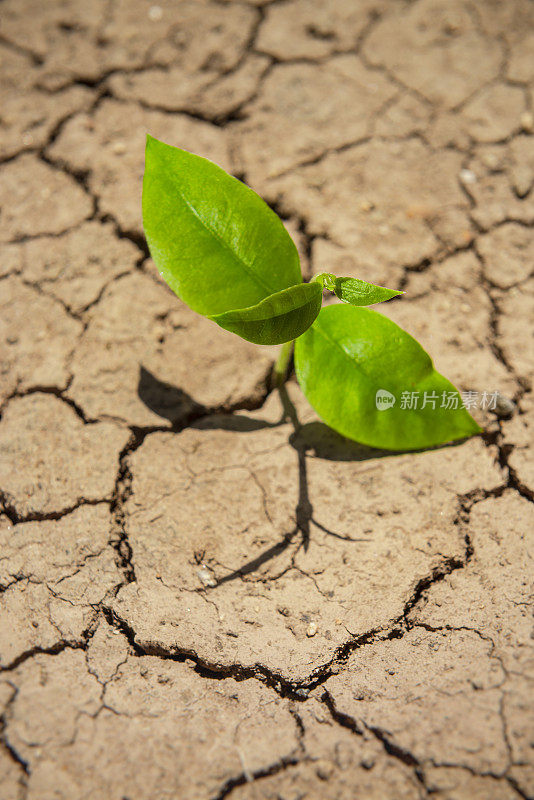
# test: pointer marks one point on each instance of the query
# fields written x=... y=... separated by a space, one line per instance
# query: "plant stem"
x=282 y=363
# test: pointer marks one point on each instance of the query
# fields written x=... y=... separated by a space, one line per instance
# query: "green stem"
x=282 y=363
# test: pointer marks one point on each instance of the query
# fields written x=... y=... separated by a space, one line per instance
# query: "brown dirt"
x=196 y=599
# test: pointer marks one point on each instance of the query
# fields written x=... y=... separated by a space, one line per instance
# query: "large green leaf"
x=214 y=240
x=353 y=360
x=279 y=318
x=355 y=291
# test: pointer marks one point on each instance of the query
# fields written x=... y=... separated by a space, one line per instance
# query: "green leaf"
x=352 y=357
x=279 y=318
x=355 y=291
x=215 y=242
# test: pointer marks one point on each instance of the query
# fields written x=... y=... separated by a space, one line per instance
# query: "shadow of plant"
x=313 y=439
x=175 y=405
x=164 y=399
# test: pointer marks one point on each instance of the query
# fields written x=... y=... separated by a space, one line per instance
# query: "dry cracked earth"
x=201 y=596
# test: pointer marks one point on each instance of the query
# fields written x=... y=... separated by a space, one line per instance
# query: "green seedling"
x=226 y=254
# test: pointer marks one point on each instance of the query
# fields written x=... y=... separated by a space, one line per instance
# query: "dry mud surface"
x=199 y=599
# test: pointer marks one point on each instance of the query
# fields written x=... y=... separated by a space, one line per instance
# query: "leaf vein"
x=248 y=269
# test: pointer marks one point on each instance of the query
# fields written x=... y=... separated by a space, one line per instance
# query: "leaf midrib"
x=256 y=278
x=356 y=364
x=352 y=360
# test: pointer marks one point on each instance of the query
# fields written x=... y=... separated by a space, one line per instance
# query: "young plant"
x=226 y=254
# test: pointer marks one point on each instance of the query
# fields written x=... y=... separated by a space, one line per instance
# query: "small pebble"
x=522 y=179
x=490 y=160
x=206 y=576
x=312 y=629
x=119 y=148
x=366 y=205
x=527 y=121
x=324 y=770
x=467 y=176
x=504 y=407
x=155 y=13
x=158 y=331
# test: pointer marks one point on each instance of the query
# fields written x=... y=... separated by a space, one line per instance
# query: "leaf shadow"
x=163 y=399
x=323 y=442
x=173 y=404
x=320 y=441
x=309 y=440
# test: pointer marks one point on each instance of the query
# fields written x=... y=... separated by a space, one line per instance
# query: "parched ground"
x=199 y=599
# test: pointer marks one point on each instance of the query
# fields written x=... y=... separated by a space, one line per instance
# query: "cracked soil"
x=199 y=597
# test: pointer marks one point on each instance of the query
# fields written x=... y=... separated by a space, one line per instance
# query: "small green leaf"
x=355 y=291
x=361 y=293
x=361 y=372
x=214 y=240
x=279 y=318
